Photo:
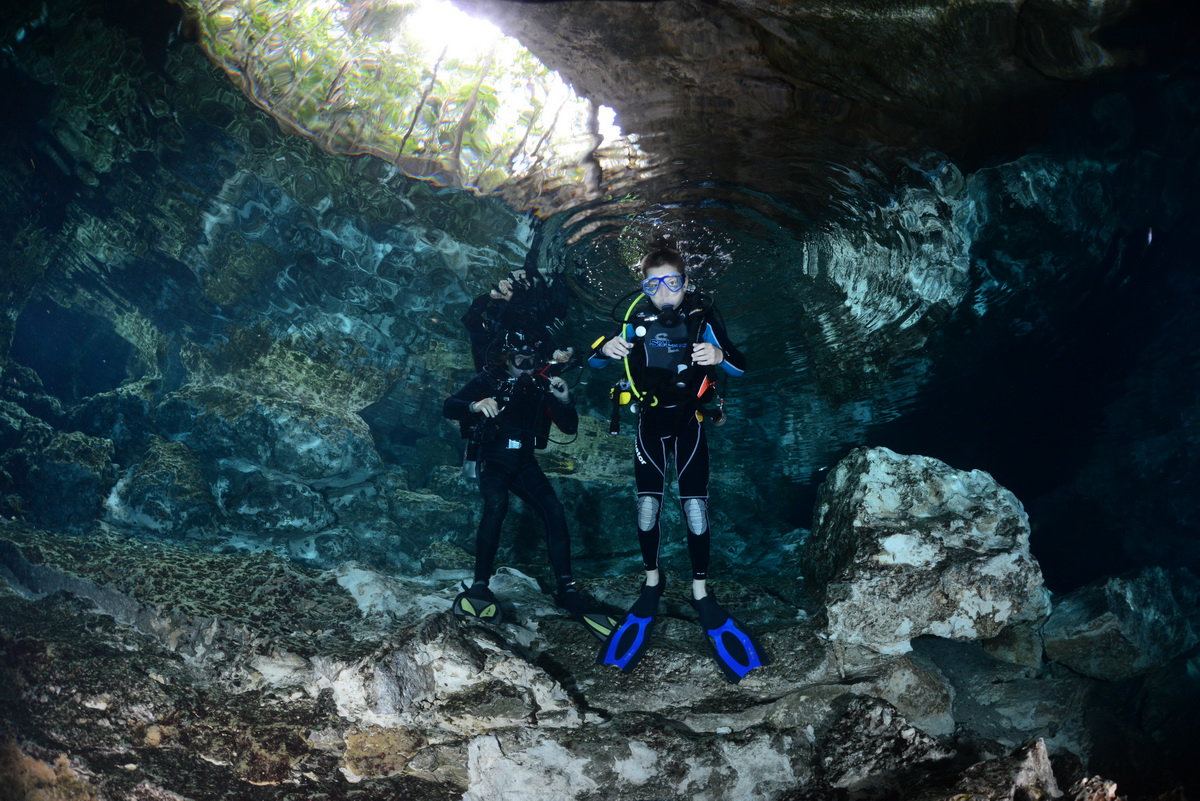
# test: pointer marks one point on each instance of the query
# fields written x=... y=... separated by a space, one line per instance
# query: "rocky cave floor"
x=135 y=668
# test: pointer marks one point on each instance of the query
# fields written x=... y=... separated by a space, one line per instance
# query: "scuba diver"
x=506 y=411
x=671 y=343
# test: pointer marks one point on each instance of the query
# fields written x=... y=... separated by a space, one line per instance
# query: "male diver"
x=671 y=343
x=507 y=410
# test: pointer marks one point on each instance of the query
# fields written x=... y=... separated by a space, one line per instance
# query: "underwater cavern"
x=955 y=494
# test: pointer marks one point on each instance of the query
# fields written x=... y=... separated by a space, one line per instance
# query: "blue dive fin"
x=732 y=645
x=627 y=644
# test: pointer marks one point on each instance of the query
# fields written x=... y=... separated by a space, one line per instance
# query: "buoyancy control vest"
x=660 y=369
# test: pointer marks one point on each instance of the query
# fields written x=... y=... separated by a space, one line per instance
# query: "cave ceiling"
x=785 y=97
x=805 y=102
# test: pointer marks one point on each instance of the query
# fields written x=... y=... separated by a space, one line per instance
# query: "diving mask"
x=673 y=283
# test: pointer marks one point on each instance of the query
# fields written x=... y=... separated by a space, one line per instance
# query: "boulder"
x=904 y=546
x=164 y=492
x=1124 y=626
x=871 y=748
x=1026 y=773
x=297 y=441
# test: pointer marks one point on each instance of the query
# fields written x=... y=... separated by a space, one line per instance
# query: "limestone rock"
x=327 y=549
x=268 y=674
x=1024 y=774
x=1020 y=644
x=54 y=477
x=23 y=386
x=71 y=477
x=870 y=748
x=918 y=690
x=635 y=757
x=1124 y=626
x=265 y=503
x=304 y=443
x=1005 y=704
x=20 y=432
x=425 y=518
x=446 y=677
x=1093 y=788
x=122 y=415
x=164 y=492
x=905 y=545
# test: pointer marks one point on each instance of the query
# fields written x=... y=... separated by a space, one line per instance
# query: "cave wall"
x=206 y=306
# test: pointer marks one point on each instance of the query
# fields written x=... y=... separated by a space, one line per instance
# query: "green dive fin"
x=478 y=602
x=598 y=624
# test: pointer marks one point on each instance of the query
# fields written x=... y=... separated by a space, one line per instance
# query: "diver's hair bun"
x=660 y=255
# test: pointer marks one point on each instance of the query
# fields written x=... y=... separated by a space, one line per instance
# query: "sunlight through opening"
x=437 y=24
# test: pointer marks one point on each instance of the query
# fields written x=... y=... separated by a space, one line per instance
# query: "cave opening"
x=76 y=354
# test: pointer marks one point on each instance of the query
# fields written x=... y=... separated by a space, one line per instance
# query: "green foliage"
x=358 y=80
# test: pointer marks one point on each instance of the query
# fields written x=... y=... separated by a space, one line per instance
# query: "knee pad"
x=696 y=512
x=647 y=512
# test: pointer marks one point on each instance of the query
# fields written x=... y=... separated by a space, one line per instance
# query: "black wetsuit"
x=507 y=463
x=668 y=424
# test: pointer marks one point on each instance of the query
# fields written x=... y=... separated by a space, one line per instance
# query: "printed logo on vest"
x=663 y=340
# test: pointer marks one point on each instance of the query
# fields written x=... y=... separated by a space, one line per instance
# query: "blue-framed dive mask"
x=673 y=283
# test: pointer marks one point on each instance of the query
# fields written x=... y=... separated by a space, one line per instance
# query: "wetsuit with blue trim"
x=507 y=463
x=669 y=386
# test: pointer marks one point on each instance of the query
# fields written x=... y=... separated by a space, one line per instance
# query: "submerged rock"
x=1024 y=774
x=165 y=492
x=220 y=672
x=872 y=747
x=302 y=442
x=54 y=477
x=905 y=545
x=1004 y=705
x=1125 y=626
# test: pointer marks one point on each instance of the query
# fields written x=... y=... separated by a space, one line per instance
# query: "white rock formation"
x=904 y=546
